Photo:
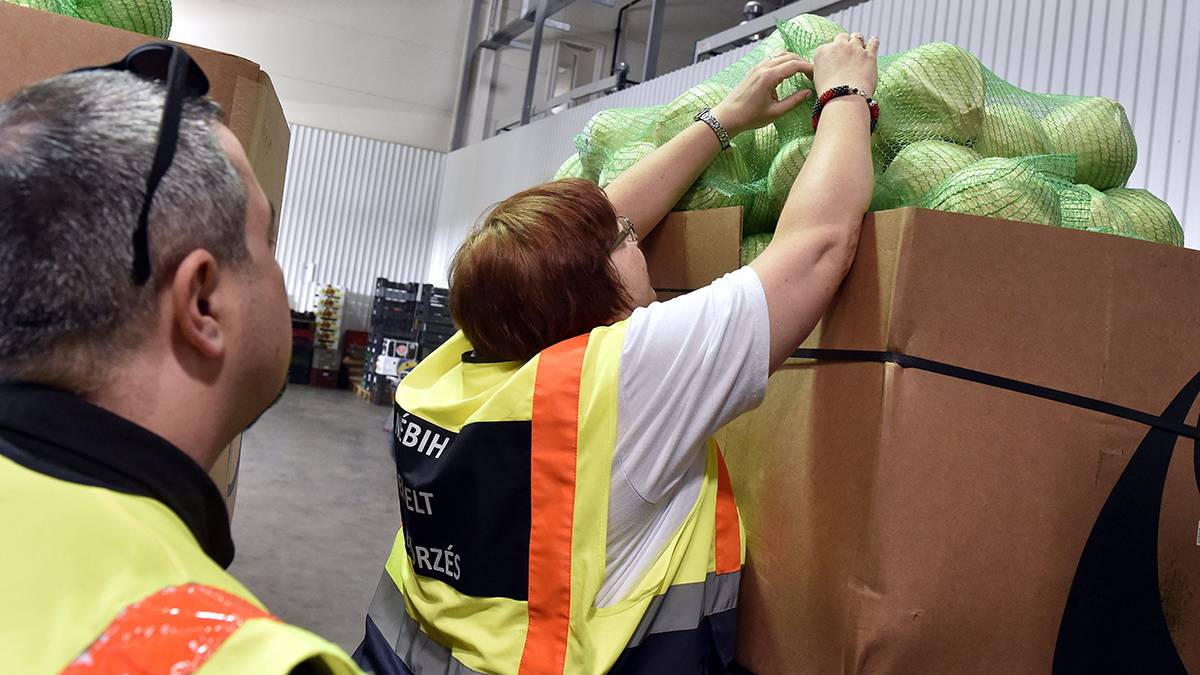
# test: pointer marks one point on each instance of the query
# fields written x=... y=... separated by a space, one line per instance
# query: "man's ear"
x=197 y=314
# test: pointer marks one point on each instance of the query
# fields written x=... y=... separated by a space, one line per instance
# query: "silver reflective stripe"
x=683 y=606
x=418 y=651
x=721 y=592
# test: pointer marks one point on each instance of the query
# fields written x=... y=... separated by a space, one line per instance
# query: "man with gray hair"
x=143 y=325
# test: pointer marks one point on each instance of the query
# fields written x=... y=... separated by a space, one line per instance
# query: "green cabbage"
x=623 y=159
x=785 y=168
x=934 y=91
x=1083 y=207
x=1148 y=217
x=573 y=168
x=997 y=187
x=921 y=166
x=680 y=113
x=1097 y=132
x=1010 y=131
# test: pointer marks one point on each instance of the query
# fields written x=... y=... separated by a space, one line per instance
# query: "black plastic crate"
x=302 y=355
x=402 y=349
x=396 y=291
x=438 y=324
x=393 y=328
x=435 y=338
x=395 y=301
x=433 y=310
x=298 y=373
x=437 y=332
x=377 y=342
x=381 y=306
x=426 y=349
x=431 y=291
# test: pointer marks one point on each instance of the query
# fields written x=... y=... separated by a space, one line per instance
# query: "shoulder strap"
x=553 y=446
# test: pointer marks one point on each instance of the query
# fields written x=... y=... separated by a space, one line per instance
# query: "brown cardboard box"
x=35 y=45
x=689 y=249
x=225 y=472
x=903 y=520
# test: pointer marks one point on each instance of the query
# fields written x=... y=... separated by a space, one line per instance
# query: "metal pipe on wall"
x=467 y=77
x=535 y=53
x=653 y=38
x=612 y=69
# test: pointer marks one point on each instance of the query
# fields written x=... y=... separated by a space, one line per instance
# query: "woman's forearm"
x=834 y=186
x=817 y=232
x=646 y=192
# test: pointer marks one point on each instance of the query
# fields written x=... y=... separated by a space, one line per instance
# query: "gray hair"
x=75 y=151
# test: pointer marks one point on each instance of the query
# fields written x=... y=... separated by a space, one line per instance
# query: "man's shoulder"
x=273 y=647
x=82 y=540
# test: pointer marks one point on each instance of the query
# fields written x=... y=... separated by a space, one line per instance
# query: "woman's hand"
x=753 y=104
x=849 y=60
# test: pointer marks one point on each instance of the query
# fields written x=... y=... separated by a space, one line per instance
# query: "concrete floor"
x=316 y=510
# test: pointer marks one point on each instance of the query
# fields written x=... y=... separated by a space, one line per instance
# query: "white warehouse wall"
x=1139 y=52
x=355 y=209
x=385 y=69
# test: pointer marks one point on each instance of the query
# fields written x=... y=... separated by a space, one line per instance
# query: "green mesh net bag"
x=952 y=135
x=151 y=17
x=999 y=187
x=753 y=246
x=1147 y=216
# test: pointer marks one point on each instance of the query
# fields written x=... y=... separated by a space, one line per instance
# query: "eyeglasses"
x=184 y=79
x=628 y=234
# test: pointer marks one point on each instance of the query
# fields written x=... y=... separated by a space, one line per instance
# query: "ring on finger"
x=859 y=37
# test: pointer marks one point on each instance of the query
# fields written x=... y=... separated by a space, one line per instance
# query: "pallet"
x=361 y=391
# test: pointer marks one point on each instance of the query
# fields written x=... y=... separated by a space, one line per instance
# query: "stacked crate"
x=354 y=355
x=303 y=335
x=328 y=302
x=434 y=320
x=392 y=345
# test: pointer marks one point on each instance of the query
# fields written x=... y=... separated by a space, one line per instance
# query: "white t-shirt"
x=688 y=366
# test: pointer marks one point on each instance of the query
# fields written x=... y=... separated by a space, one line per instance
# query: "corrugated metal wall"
x=355 y=209
x=1142 y=53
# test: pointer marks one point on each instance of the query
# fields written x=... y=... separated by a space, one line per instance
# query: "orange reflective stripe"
x=729 y=536
x=553 y=445
x=173 y=631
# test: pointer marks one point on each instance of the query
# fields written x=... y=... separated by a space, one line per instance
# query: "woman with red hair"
x=563 y=507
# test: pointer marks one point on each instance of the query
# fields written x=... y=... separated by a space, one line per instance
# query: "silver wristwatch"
x=713 y=123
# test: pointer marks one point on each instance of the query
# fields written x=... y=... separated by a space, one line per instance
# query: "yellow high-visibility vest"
x=504 y=472
x=97 y=581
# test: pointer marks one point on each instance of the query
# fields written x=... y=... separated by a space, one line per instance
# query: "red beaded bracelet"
x=844 y=90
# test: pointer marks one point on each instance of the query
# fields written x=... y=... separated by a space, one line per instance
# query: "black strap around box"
x=1057 y=395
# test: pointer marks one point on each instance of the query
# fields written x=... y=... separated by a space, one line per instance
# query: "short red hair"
x=536 y=271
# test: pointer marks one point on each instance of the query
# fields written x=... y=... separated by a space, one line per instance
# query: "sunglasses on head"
x=170 y=65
